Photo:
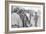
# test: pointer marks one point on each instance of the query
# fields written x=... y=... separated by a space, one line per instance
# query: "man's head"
x=16 y=9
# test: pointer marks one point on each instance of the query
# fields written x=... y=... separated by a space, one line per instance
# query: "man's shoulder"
x=15 y=15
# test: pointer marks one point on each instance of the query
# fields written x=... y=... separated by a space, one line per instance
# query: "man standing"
x=16 y=20
x=36 y=19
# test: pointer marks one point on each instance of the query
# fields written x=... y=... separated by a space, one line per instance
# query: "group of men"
x=21 y=18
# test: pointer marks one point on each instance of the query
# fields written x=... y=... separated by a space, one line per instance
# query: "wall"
x=2 y=17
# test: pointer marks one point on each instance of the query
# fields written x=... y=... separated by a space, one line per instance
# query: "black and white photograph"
x=25 y=17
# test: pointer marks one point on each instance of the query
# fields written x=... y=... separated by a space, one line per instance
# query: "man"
x=16 y=20
x=27 y=20
x=36 y=19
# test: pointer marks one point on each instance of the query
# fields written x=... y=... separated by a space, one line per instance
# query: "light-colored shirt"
x=15 y=19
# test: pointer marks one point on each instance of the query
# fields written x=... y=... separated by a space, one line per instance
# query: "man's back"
x=16 y=20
